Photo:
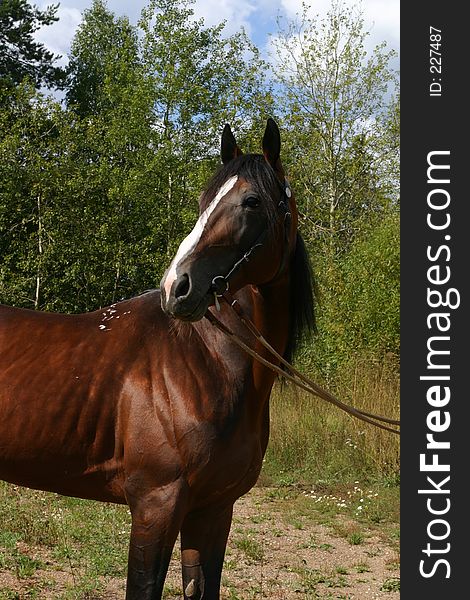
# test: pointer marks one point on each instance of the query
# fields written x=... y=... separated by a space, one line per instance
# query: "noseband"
x=221 y=283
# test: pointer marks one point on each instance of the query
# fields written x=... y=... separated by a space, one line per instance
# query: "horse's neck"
x=243 y=384
x=271 y=313
x=268 y=309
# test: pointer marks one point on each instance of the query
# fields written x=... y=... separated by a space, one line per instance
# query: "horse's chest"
x=218 y=431
x=221 y=464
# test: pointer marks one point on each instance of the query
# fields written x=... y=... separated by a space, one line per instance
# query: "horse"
x=145 y=402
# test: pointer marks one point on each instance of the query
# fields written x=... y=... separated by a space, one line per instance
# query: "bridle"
x=221 y=289
x=221 y=283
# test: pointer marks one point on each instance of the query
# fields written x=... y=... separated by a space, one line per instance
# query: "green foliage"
x=78 y=221
x=334 y=98
x=371 y=302
x=104 y=62
x=21 y=56
x=199 y=80
x=28 y=135
x=359 y=306
x=97 y=192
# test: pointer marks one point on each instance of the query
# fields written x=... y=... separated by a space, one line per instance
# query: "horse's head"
x=245 y=232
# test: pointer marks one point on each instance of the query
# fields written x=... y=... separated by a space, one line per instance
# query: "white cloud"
x=381 y=21
x=293 y=7
x=236 y=13
x=256 y=16
x=58 y=36
x=381 y=17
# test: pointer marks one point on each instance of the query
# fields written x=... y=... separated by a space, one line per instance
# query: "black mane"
x=255 y=169
x=302 y=299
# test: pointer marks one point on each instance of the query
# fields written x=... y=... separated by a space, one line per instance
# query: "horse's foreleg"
x=156 y=520
x=203 y=540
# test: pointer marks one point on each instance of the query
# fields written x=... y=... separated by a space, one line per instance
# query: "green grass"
x=252 y=549
x=300 y=509
x=362 y=567
x=88 y=540
x=314 y=442
x=391 y=585
x=355 y=538
x=311 y=578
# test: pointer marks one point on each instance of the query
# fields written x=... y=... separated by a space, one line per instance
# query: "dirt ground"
x=271 y=554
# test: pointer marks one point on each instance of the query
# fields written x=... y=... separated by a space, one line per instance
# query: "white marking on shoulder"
x=190 y=242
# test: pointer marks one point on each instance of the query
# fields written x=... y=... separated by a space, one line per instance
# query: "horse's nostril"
x=182 y=286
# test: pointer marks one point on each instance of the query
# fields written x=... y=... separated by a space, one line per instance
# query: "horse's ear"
x=229 y=147
x=272 y=143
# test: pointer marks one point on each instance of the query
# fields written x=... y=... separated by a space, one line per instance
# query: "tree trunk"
x=40 y=252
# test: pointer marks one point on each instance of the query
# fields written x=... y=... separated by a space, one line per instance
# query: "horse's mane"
x=302 y=299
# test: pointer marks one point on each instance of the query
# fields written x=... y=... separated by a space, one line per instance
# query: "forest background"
x=102 y=163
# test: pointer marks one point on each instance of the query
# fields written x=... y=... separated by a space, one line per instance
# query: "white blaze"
x=190 y=242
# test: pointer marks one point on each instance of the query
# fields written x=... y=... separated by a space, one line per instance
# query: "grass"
x=337 y=507
x=391 y=585
x=252 y=549
x=312 y=441
x=362 y=567
x=355 y=538
x=311 y=578
x=87 y=540
x=91 y=545
x=314 y=545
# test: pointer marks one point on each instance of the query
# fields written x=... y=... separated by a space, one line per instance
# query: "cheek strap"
x=220 y=283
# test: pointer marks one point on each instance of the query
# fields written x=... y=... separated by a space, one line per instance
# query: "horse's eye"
x=251 y=202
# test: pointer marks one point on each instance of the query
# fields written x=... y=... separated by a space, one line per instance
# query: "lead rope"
x=294 y=376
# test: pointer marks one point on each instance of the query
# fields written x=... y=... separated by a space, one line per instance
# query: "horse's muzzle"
x=184 y=300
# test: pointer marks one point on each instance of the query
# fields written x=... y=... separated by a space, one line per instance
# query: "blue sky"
x=257 y=16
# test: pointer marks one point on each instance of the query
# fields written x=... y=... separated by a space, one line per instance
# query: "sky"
x=258 y=17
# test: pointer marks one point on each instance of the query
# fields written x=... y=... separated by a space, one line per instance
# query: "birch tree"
x=335 y=98
x=200 y=79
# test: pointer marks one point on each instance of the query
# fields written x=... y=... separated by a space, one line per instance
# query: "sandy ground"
x=268 y=556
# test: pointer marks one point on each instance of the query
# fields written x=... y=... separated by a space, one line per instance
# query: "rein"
x=220 y=289
x=292 y=374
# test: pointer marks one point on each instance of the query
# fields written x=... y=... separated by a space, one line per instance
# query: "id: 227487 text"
x=435 y=61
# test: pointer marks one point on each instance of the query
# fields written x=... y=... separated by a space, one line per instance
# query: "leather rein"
x=220 y=289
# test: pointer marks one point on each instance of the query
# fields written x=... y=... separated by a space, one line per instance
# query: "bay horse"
x=145 y=402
